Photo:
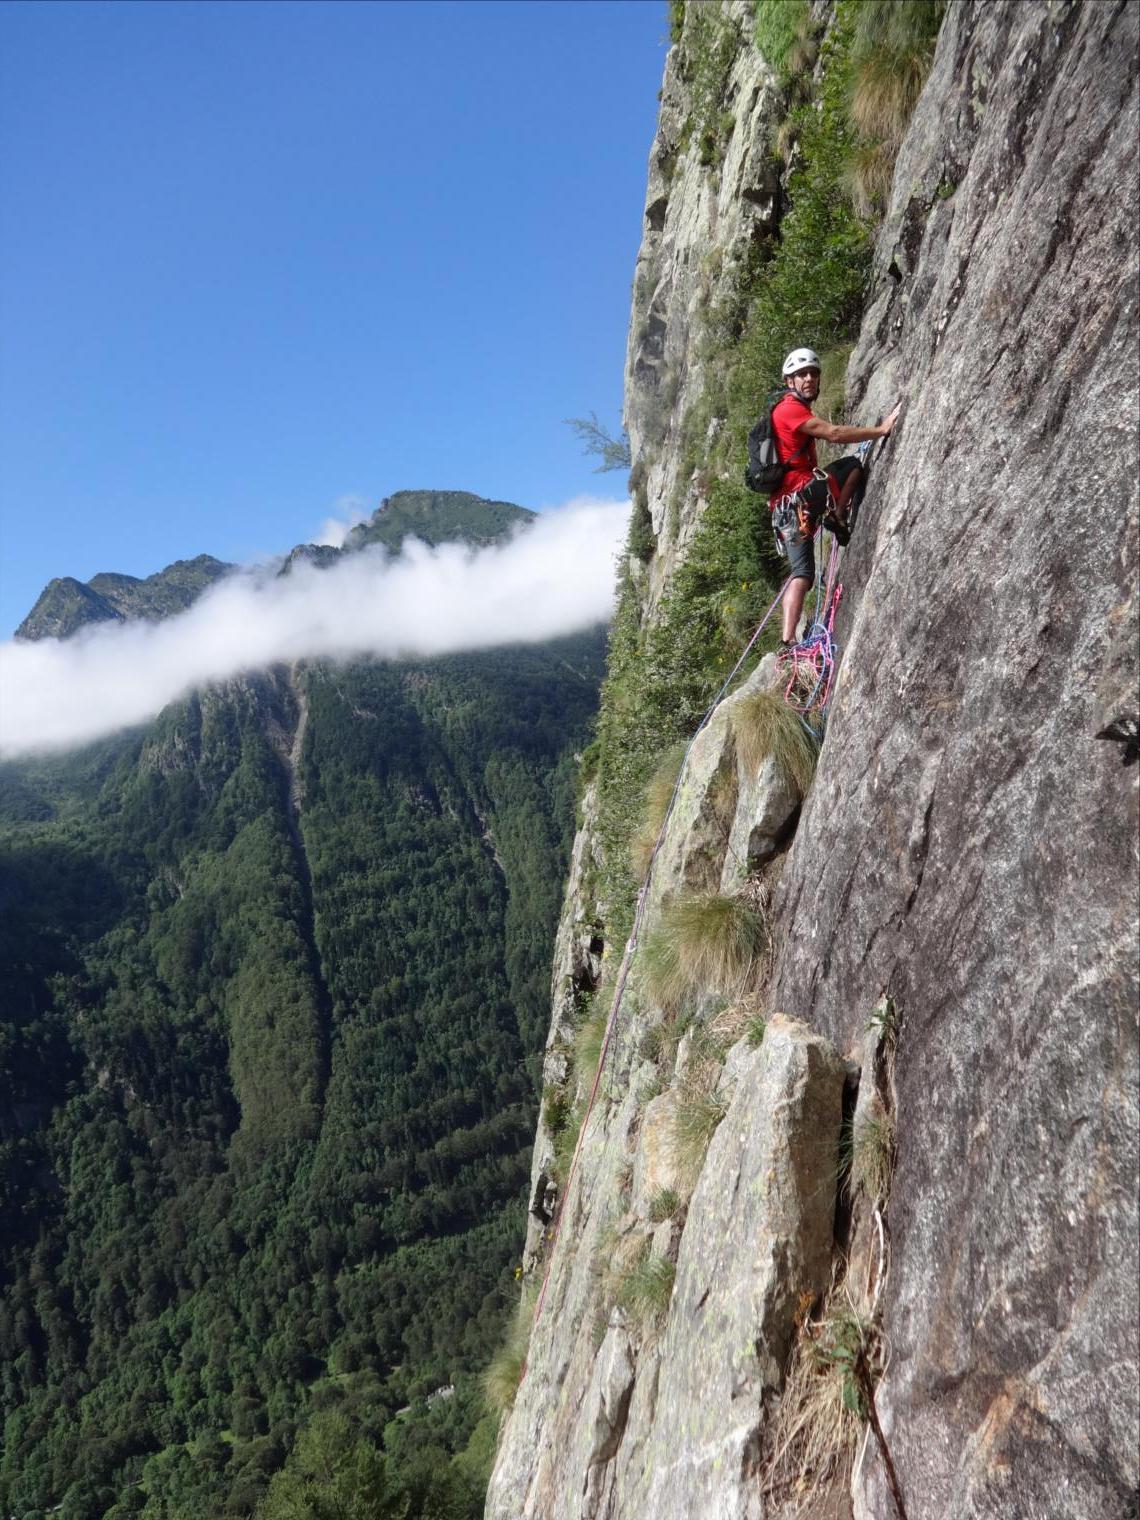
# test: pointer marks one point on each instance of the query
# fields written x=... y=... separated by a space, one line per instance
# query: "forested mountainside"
x=276 y=978
x=833 y=1206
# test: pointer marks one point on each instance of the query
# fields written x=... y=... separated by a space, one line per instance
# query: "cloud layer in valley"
x=555 y=576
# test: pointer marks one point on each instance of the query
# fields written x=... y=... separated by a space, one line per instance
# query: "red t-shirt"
x=788 y=417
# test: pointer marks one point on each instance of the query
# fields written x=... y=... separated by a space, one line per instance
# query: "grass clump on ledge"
x=764 y=725
x=891 y=51
x=873 y=1154
x=892 y=47
x=703 y=941
x=646 y=1290
x=783 y=33
x=588 y=1040
x=698 y=1112
x=504 y=1372
x=663 y=1205
x=824 y=1404
x=566 y=1143
x=658 y=795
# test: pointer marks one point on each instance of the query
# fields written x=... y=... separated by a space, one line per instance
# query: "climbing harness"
x=812 y=663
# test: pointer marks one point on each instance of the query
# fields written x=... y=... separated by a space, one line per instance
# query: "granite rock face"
x=631 y=1427
x=955 y=924
x=758 y=1236
x=702 y=222
x=970 y=844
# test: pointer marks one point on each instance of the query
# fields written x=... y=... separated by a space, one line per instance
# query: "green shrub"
x=642 y=541
x=587 y=766
x=765 y=726
x=782 y=32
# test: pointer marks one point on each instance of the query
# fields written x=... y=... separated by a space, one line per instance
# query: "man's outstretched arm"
x=833 y=432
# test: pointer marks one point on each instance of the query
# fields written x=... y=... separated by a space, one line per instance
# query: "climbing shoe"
x=841 y=530
x=785 y=646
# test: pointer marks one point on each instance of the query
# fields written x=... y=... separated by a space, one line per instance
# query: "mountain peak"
x=438 y=517
x=65 y=605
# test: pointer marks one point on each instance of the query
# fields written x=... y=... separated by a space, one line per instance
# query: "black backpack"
x=765 y=471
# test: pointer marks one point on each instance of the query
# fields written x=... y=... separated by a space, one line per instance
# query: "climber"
x=809 y=494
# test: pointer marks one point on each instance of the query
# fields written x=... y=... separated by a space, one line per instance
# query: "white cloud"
x=348 y=511
x=552 y=578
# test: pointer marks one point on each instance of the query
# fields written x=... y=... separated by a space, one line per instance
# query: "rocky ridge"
x=953 y=930
x=65 y=605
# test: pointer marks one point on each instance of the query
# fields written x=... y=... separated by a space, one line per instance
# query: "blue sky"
x=259 y=257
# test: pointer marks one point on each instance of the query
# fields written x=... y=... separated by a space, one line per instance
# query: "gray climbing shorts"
x=791 y=544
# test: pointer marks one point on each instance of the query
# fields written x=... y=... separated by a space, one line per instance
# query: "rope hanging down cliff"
x=813 y=663
x=817 y=654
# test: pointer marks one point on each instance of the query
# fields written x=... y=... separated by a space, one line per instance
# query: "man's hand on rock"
x=888 y=422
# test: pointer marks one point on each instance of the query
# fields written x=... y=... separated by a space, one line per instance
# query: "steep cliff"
x=853 y=1226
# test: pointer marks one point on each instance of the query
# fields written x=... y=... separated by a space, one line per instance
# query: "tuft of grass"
x=884 y=1018
x=646 y=1291
x=765 y=725
x=703 y=941
x=756 y=1030
x=617 y=1257
x=782 y=29
x=698 y=1112
x=891 y=52
x=867 y=177
x=556 y=1107
x=651 y=1088
x=566 y=1143
x=873 y=1154
x=823 y=1406
x=652 y=1043
x=663 y=1205
x=588 y=1040
x=504 y=1372
x=658 y=795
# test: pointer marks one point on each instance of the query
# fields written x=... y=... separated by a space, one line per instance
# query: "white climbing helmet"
x=800 y=358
